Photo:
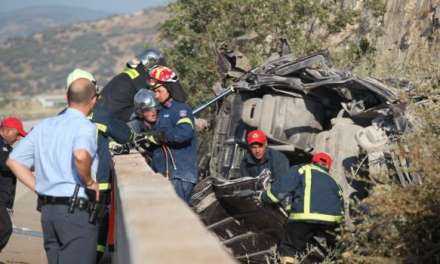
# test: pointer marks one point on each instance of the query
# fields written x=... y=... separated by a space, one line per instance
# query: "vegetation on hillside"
x=40 y=63
x=252 y=28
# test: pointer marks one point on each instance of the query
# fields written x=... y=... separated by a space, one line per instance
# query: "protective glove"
x=118 y=149
x=141 y=142
x=151 y=137
x=141 y=139
x=159 y=137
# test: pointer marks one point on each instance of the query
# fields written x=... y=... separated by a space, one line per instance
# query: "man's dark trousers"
x=300 y=235
x=5 y=226
x=183 y=189
x=68 y=238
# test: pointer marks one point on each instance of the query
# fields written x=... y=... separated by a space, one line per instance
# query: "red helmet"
x=164 y=76
x=161 y=75
x=322 y=158
x=256 y=136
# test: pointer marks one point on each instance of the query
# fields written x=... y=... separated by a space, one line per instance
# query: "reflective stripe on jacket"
x=118 y=94
x=108 y=127
x=314 y=195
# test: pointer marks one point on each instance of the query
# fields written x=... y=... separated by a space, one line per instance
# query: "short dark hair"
x=80 y=93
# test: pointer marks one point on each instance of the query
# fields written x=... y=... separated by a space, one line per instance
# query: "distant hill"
x=25 y=21
x=41 y=62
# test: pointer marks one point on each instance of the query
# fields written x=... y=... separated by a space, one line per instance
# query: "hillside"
x=25 y=21
x=385 y=39
x=41 y=62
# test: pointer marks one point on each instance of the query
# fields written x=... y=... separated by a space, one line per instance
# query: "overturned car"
x=304 y=106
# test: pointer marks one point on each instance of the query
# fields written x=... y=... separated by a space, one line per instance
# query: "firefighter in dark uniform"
x=142 y=121
x=117 y=95
x=259 y=157
x=316 y=205
x=108 y=127
x=176 y=153
x=11 y=129
x=145 y=112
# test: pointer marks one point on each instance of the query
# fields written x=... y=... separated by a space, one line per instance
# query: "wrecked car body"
x=304 y=106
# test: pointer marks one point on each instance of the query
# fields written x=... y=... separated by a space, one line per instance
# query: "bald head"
x=81 y=92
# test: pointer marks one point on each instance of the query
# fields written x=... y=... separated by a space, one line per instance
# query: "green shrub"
x=199 y=26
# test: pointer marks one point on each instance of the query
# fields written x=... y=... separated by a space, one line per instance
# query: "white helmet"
x=144 y=100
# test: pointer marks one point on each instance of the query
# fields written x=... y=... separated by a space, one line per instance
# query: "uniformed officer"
x=62 y=149
x=11 y=129
x=315 y=201
x=108 y=127
x=176 y=158
x=118 y=94
x=259 y=157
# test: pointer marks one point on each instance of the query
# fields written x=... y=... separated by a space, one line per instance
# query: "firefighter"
x=145 y=112
x=316 y=205
x=108 y=127
x=143 y=120
x=118 y=94
x=259 y=157
x=174 y=133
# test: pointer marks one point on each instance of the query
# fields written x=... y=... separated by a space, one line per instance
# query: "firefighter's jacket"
x=108 y=127
x=314 y=195
x=118 y=94
x=273 y=160
x=177 y=158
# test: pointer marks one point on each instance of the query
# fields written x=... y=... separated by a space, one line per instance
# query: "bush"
x=403 y=224
x=198 y=27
